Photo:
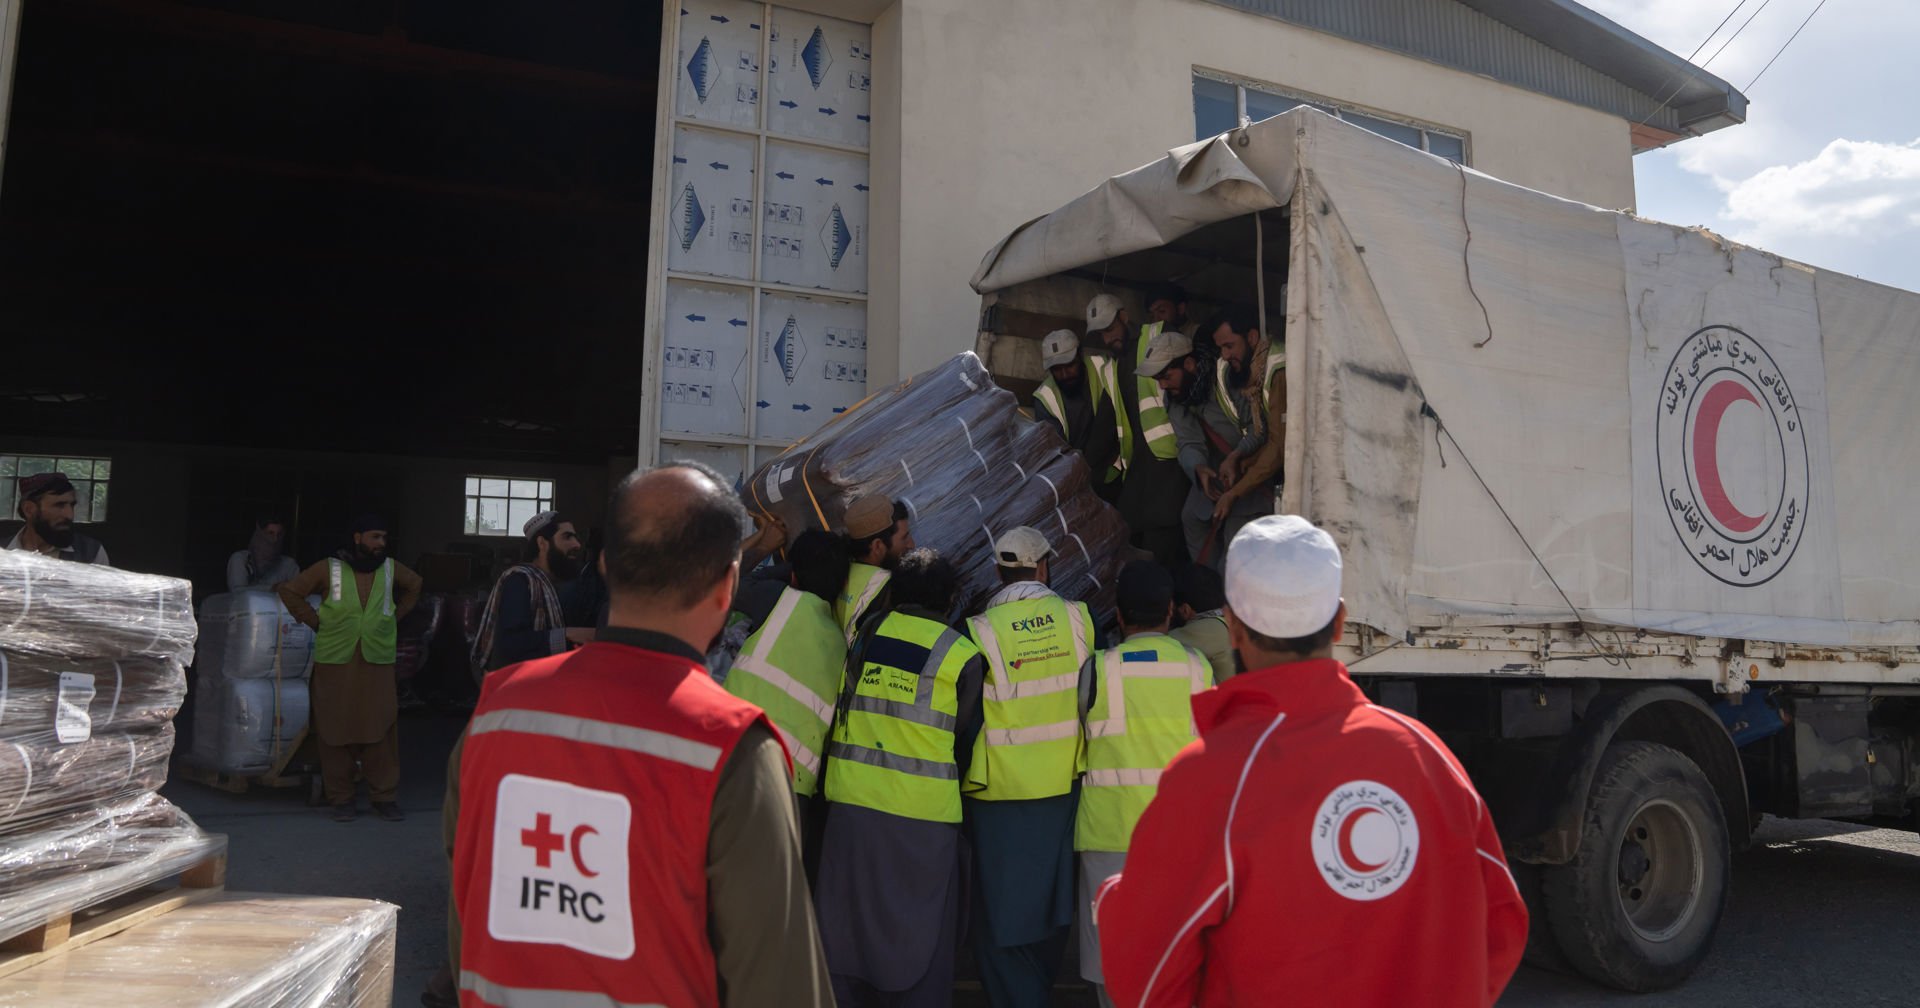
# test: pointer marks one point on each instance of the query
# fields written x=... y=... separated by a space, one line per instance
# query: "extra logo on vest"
x=1031 y=624
x=560 y=874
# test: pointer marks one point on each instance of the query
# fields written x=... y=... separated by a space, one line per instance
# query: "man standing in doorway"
x=356 y=716
x=1154 y=487
x=878 y=536
x=46 y=504
x=1254 y=372
x=1079 y=400
x=524 y=618
x=262 y=564
x=1206 y=427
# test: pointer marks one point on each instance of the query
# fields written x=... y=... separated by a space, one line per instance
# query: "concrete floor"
x=1821 y=912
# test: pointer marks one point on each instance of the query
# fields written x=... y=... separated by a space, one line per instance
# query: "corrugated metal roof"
x=1554 y=47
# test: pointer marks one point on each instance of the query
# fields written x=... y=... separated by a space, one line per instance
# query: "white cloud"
x=1852 y=187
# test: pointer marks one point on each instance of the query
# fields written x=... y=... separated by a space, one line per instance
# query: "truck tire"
x=1638 y=905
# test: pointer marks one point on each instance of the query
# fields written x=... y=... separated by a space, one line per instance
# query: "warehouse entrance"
x=310 y=257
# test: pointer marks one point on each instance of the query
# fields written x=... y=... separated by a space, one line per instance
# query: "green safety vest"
x=1047 y=397
x=1142 y=717
x=1155 y=425
x=1222 y=374
x=792 y=668
x=346 y=624
x=1030 y=745
x=893 y=747
x=864 y=583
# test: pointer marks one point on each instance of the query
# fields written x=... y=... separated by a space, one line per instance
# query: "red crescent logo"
x=573 y=841
x=1346 y=843
x=1706 y=452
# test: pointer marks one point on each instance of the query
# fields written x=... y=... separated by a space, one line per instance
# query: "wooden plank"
x=69 y=929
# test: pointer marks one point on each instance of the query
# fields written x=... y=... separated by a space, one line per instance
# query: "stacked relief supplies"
x=250 y=681
x=91 y=675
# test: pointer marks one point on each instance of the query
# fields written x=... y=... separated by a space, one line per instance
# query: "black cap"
x=1145 y=588
x=1165 y=292
x=367 y=521
x=1199 y=586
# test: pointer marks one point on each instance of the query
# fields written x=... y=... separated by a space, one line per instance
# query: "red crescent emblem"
x=1346 y=843
x=573 y=841
x=1706 y=456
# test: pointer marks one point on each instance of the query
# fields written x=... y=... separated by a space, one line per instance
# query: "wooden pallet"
x=72 y=928
x=281 y=775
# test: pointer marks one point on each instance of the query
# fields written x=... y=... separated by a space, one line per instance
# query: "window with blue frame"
x=1222 y=103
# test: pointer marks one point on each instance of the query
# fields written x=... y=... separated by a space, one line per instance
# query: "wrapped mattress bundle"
x=43 y=780
x=46 y=699
x=57 y=607
x=251 y=635
x=92 y=853
x=244 y=725
x=950 y=443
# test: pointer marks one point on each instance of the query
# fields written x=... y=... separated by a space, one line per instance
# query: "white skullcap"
x=1283 y=576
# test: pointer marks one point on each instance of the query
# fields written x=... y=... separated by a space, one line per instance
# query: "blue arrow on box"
x=802 y=407
x=716 y=17
x=860 y=187
x=785 y=175
x=716 y=166
x=696 y=318
x=824 y=181
x=789 y=104
x=736 y=321
x=828 y=111
x=763 y=404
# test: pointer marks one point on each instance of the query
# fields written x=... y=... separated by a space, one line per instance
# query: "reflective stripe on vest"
x=864 y=583
x=529 y=997
x=1155 y=426
x=894 y=747
x=346 y=624
x=1222 y=374
x=601 y=733
x=1047 y=397
x=1141 y=718
x=791 y=668
x=1105 y=384
x=1030 y=746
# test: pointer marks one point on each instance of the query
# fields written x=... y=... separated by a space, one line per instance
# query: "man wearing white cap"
x=1365 y=870
x=1205 y=427
x=1153 y=488
x=1082 y=410
x=1020 y=790
x=524 y=619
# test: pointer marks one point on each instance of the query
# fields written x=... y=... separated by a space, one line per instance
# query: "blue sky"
x=1826 y=169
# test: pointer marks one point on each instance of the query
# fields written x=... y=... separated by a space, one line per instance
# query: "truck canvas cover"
x=1511 y=408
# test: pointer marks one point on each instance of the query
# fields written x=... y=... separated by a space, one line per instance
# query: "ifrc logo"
x=560 y=873
x=1365 y=840
x=1734 y=473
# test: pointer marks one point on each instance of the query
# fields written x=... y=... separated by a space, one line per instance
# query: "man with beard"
x=46 y=505
x=1167 y=305
x=1254 y=373
x=356 y=715
x=1080 y=408
x=1154 y=488
x=261 y=565
x=524 y=618
x=1205 y=427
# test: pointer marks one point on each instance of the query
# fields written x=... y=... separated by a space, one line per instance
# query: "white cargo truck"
x=1629 y=511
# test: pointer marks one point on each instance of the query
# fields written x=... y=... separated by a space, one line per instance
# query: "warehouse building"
x=463 y=260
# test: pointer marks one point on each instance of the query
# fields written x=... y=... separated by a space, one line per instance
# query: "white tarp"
x=1486 y=401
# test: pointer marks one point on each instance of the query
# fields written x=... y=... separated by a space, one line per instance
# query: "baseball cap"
x=869 y=516
x=1100 y=312
x=1283 y=576
x=1167 y=346
x=1021 y=547
x=1059 y=347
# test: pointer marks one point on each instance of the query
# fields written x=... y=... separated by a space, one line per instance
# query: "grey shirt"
x=241 y=577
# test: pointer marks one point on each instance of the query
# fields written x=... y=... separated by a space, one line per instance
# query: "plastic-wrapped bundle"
x=50 y=699
x=80 y=610
x=233 y=950
x=251 y=635
x=950 y=443
x=94 y=853
x=38 y=781
x=244 y=725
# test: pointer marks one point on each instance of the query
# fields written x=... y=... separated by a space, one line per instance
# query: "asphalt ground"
x=1821 y=913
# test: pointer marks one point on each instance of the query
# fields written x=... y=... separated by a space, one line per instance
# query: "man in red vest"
x=627 y=827
x=1311 y=848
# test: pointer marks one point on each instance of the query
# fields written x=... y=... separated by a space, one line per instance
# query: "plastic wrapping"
x=47 y=699
x=42 y=780
x=244 y=725
x=950 y=443
x=233 y=950
x=94 y=853
x=251 y=635
x=59 y=607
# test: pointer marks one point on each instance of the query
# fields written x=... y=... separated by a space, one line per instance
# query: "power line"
x=1716 y=30
x=1736 y=33
x=1783 y=47
x=1693 y=71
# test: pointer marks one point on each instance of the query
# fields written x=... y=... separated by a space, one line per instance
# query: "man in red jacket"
x=1311 y=847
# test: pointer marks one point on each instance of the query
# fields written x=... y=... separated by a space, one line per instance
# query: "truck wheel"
x=1638 y=905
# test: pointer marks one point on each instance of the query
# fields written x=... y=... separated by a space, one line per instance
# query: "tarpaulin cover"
x=951 y=444
x=1511 y=408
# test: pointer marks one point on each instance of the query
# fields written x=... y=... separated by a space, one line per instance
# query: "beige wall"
x=990 y=112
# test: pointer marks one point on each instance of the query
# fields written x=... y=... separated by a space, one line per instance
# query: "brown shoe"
x=345 y=812
x=390 y=811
